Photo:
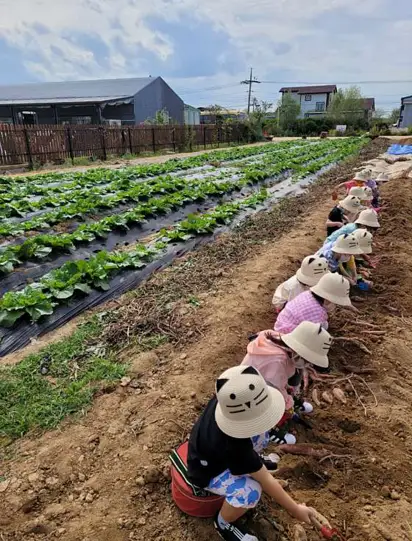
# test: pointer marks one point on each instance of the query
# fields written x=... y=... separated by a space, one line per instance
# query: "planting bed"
x=69 y=242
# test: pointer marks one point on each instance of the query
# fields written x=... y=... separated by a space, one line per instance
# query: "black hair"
x=320 y=300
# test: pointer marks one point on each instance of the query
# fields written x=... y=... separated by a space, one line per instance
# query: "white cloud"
x=46 y=31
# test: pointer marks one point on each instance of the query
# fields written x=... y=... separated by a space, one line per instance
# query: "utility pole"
x=249 y=82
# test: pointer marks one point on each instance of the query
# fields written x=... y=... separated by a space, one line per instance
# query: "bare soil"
x=104 y=476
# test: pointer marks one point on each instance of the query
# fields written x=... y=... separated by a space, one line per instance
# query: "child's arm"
x=348 y=273
x=330 y=223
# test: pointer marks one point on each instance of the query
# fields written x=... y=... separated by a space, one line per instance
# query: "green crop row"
x=42 y=245
x=114 y=178
x=85 y=205
x=40 y=298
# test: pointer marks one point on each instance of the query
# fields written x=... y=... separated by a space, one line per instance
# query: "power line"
x=336 y=82
x=249 y=82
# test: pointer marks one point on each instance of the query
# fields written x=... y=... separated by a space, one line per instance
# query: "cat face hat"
x=357 y=191
x=351 y=204
x=369 y=218
x=334 y=288
x=360 y=175
x=246 y=405
x=311 y=342
x=312 y=269
x=347 y=244
x=364 y=239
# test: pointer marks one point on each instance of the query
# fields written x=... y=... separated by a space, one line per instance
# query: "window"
x=308 y=97
x=81 y=120
x=320 y=106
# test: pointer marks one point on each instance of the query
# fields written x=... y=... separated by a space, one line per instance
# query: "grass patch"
x=44 y=388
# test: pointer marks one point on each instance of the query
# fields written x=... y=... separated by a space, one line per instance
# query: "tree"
x=346 y=106
x=288 y=112
x=394 y=116
x=258 y=116
x=161 y=118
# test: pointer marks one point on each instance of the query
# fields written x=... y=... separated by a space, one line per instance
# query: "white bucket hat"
x=312 y=269
x=351 y=204
x=246 y=405
x=364 y=239
x=347 y=244
x=383 y=177
x=360 y=176
x=311 y=342
x=358 y=192
x=368 y=194
x=368 y=217
x=368 y=174
x=334 y=288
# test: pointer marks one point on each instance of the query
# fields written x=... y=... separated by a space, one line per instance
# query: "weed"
x=30 y=400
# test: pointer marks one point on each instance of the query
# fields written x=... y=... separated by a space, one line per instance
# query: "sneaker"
x=279 y=436
x=233 y=532
x=271 y=461
x=306 y=407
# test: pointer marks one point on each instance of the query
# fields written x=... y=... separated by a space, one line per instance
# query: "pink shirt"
x=304 y=307
x=273 y=362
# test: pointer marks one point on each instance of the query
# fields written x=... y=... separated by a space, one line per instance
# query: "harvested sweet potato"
x=305 y=449
x=298 y=533
x=327 y=397
x=315 y=397
x=339 y=394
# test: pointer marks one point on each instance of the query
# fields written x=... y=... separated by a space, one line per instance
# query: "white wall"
x=406 y=114
x=310 y=106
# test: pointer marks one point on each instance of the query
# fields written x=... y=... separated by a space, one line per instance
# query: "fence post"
x=190 y=138
x=28 y=149
x=154 y=139
x=69 y=140
x=204 y=136
x=130 y=141
x=174 y=139
x=218 y=136
x=103 y=141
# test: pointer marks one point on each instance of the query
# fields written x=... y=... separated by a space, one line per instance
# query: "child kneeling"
x=225 y=446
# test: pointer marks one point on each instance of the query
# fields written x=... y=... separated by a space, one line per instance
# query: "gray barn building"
x=107 y=101
x=405 y=120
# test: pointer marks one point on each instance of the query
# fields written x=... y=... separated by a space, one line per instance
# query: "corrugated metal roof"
x=72 y=91
x=319 y=89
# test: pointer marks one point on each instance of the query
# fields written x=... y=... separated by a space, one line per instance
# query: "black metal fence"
x=32 y=145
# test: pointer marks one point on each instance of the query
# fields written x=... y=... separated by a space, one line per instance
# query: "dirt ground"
x=104 y=477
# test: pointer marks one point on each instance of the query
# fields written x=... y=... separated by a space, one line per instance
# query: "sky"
x=203 y=49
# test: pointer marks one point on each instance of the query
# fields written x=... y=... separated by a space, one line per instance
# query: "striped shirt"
x=304 y=307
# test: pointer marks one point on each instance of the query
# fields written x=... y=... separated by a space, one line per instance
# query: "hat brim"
x=368 y=224
x=256 y=426
x=340 y=301
x=305 y=352
x=307 y=280
x=351 y=251
x=367 y=250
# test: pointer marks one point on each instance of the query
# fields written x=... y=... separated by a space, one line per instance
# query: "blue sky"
x=205 y=48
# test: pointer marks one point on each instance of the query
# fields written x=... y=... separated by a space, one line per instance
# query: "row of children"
x=223 y=462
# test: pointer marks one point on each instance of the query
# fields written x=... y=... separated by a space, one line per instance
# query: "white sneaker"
x=306 y=407
x=290 y=439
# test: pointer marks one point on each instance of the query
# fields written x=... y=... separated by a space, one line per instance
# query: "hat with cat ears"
x=364 y=239
x=360 y=175
x=246 y=405
x=333 y=287
x=383 y=177
x=351 y=204
x=347 y=244
x=312 y=269
x=369 y=218
x=357 y=191
x=311 y=342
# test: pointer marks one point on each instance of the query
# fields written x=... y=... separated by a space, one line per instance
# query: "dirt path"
x=89 y=481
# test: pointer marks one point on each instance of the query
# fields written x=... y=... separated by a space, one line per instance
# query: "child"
x=358 y=180
x=280 y=357
x=314 y=305
x=311 y=271
x=339 y=251
x=346 y=211
x=367 y=219
x=374 y=190
x=224 y=449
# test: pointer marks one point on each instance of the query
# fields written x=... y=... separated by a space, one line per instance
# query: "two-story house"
x=313 y=100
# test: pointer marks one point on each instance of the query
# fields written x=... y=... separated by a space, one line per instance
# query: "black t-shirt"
x=211 y=452
x=335 y=215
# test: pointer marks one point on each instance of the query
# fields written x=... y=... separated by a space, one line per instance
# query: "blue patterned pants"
x=240 y=490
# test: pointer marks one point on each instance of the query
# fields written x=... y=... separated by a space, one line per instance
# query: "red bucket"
x=204 y=506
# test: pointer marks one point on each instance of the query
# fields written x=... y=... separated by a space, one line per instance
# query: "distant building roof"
x=321 y=89
x=406 y=97
x=99 y=90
